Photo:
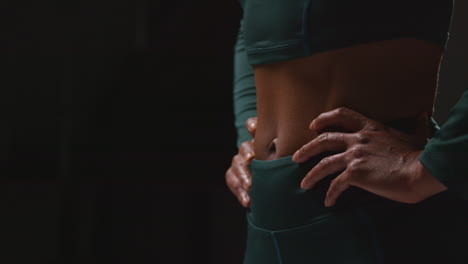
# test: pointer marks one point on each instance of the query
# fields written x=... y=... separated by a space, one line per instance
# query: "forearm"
x=244 y=94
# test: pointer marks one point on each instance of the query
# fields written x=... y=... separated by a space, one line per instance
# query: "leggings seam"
x=278 y=251
x=317 y=220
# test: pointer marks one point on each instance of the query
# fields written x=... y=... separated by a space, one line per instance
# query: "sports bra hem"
x=297 y=49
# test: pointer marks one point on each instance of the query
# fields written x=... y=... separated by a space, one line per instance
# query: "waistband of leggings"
x=273 y=164
x=278 y=201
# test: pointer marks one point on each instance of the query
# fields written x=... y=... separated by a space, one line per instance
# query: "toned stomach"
x=385 y=81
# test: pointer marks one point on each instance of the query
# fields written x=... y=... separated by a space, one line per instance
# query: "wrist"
x=424 y=184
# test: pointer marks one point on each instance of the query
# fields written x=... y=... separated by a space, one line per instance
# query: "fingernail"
x=251 y=124
x=312 y=125
x=245 y=197
x=295 y=156
x=329 y=203
x=307 y=186
x=249 y=156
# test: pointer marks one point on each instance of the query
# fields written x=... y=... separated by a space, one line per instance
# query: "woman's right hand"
x=238 y=177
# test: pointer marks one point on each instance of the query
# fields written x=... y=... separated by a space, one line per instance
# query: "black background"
x=117 y=129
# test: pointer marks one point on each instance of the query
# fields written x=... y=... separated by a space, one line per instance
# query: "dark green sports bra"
x=277 y=30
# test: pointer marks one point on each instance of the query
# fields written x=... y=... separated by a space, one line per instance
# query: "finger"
x=245 y=198
x=243 y=174
x=246 y=150
x=337 y=187
x=241 y=171
x=341 y=117
x=251 y=125
x=325 y=167
x=330 y=141
x=234 y=185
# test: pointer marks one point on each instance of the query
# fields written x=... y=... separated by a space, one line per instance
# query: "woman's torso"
x=383 y=64
x=385 y=81
x=379 y=58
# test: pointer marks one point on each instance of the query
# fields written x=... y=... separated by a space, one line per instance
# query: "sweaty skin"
x=238 y=177
x=371 y=156
x=384 y=81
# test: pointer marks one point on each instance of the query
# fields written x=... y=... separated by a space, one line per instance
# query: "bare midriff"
x=385 y=81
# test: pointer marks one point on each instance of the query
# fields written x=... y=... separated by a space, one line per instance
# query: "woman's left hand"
x=372 y=156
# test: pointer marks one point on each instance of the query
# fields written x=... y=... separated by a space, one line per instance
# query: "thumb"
x=251 y=125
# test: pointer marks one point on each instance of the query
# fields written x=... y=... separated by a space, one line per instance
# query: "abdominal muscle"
x=385 y=81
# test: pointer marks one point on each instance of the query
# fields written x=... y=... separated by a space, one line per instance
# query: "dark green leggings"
x=288 y=225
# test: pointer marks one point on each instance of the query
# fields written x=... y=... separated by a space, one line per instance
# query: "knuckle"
x=237 y=159
x=325 y=161
x=244 y=145
x=356 y=153
x=243 y=176
x=324 y=137
x=232 y=182
x=341 y=110
x=355 y=167
x=362 y=138
x=303 y=150
x=246 y=150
